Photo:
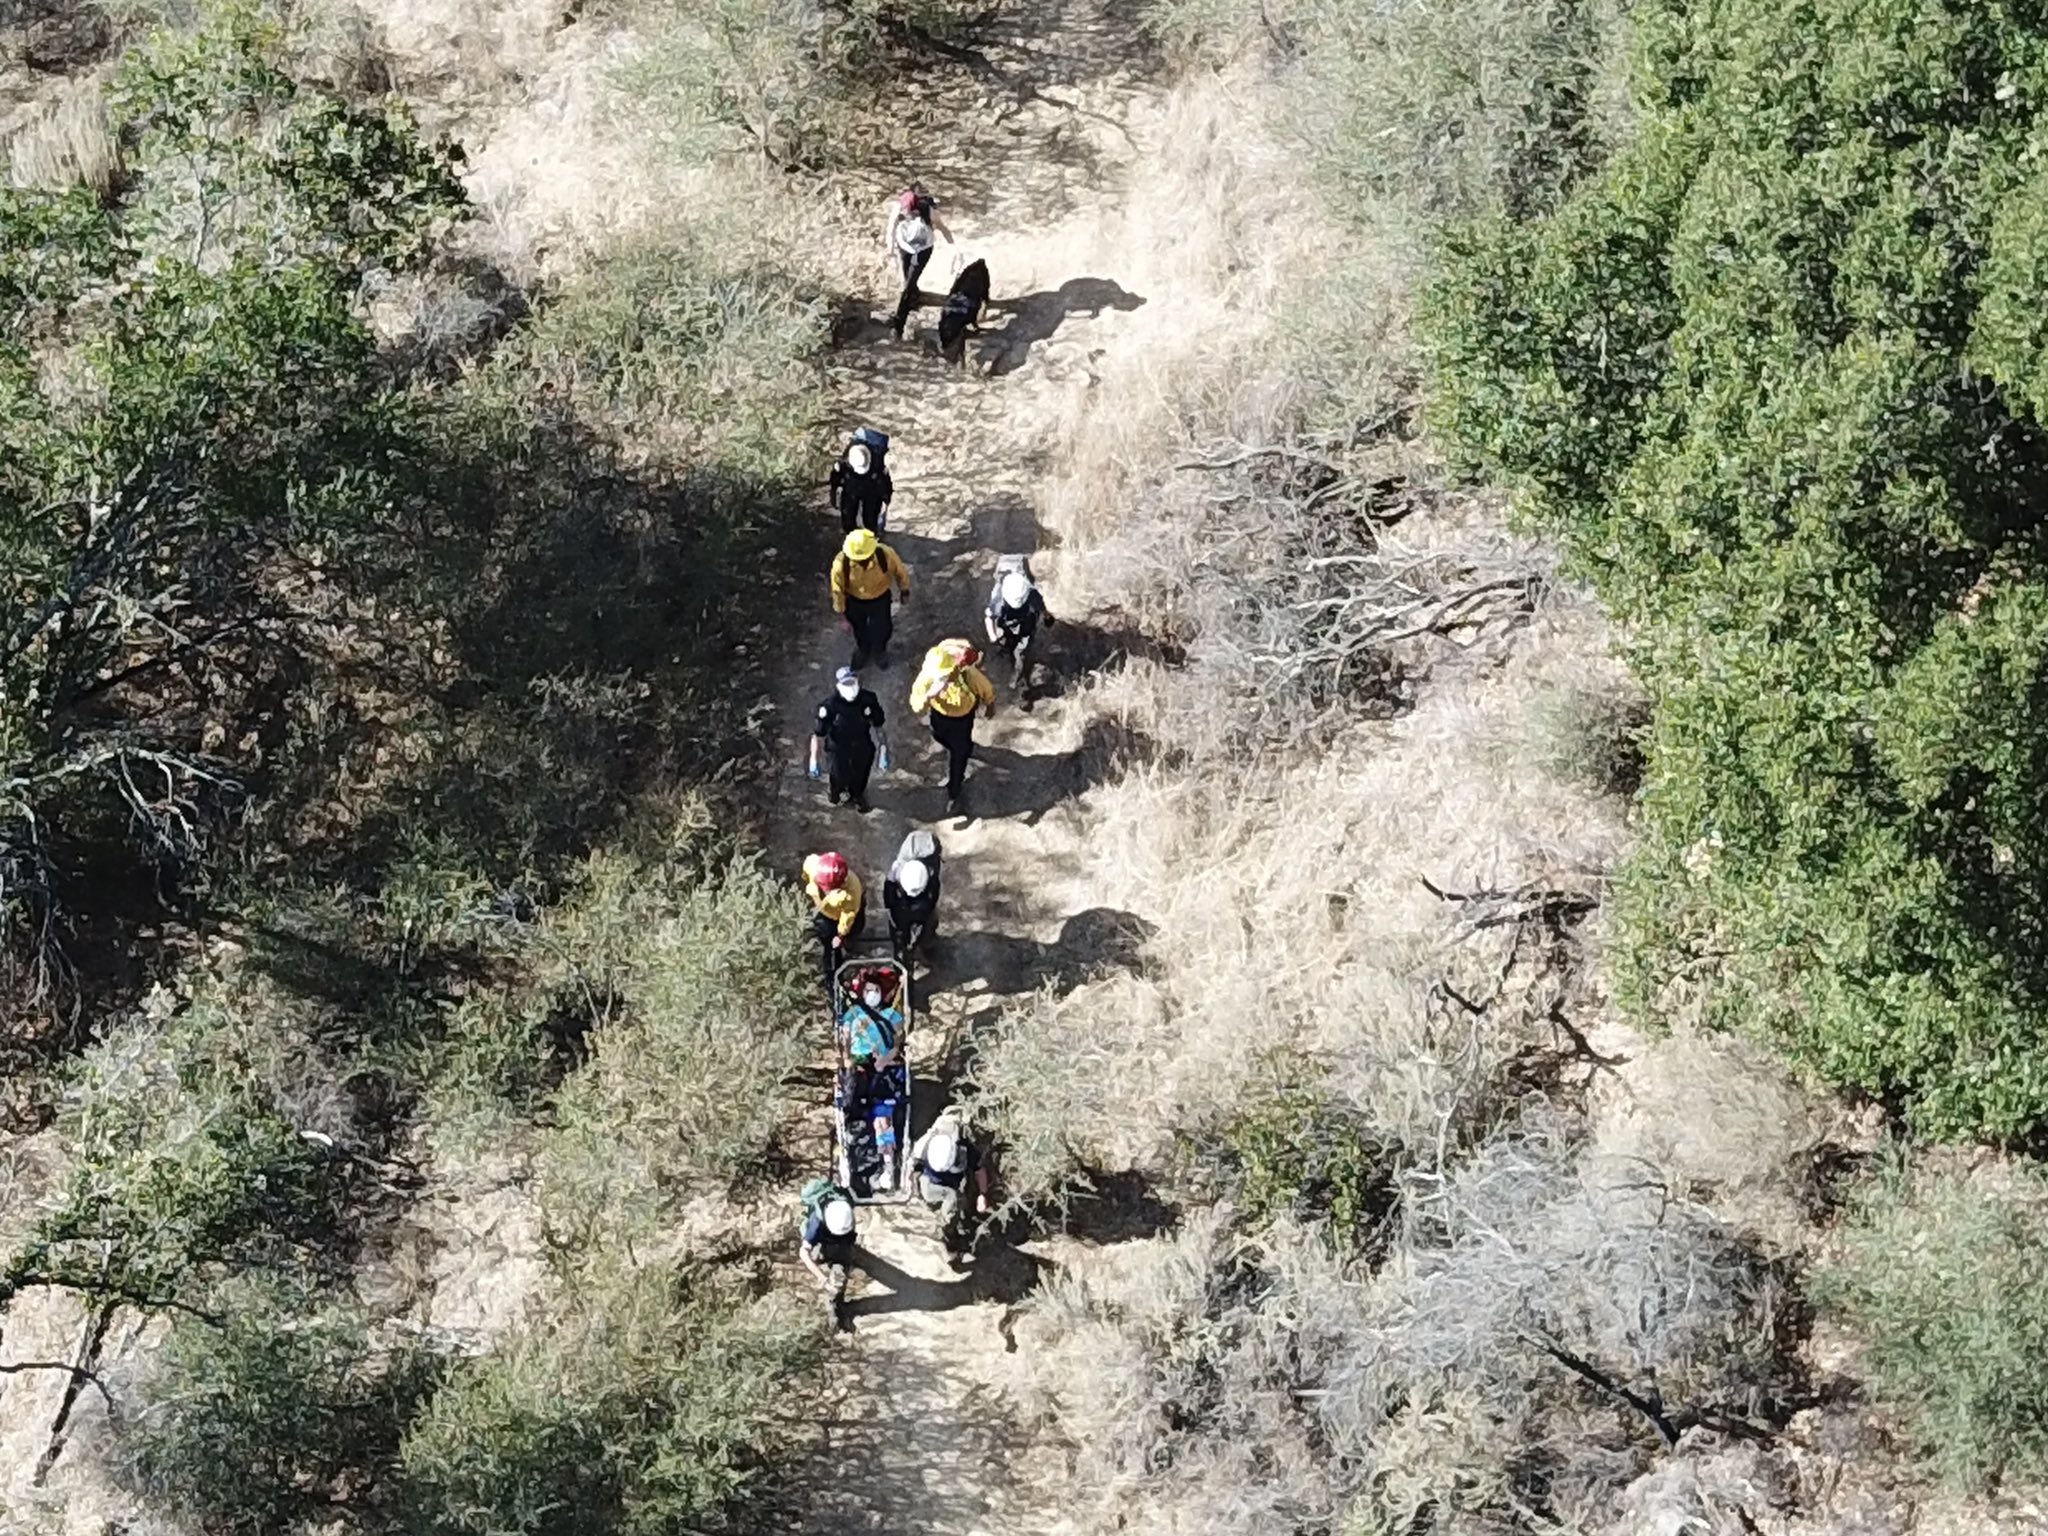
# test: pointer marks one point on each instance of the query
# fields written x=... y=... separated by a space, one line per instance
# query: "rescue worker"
x=951 y=687
x=943 y=1162
x=910 y=893
x=827 y=1244
x=848 y=731
x=1015 y=610
x=861 y=490
x=835 y=892
x=866 y=573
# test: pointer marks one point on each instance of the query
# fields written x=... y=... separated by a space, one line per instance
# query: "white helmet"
x=913 y=877
x=858 y=458
x=838 y=1218
x=1016 y=590
x=941 y=1151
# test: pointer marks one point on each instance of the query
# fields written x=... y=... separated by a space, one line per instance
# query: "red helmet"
x=828 y=871
x=971 y=657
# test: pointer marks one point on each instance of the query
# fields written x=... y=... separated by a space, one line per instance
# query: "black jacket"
x=846 y=725
x=1019 y=623
x=907 y=911
x=861 y=496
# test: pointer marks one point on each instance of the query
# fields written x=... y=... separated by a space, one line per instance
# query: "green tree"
x=1773 y=379
x=195 y=415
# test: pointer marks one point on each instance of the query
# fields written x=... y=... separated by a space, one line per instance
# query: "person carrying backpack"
x=952 y=688
x=861 y=488
x=848 y=729
x=865 y=574
x=943 y=1163
x=910 y=237
x=910 y=893
x=827 y=1245
x=839 y=914
x=1016 y=608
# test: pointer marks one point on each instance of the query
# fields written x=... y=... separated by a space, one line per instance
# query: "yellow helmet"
x=861 y=545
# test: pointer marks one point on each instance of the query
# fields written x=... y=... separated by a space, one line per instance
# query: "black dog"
x=963 y=309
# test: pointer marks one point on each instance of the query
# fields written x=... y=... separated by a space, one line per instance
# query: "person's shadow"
x=1034 y=317
x=1000 y=1273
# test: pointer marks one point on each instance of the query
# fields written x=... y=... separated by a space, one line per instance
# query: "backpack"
x=819 y=1193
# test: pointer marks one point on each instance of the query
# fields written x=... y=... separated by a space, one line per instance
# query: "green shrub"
x=701 y=1003
x=1766 y=379
x=1297 y=1151
x=638 y=1404
x=285 y=1411
x=1940 y=1275
x=184 y=1163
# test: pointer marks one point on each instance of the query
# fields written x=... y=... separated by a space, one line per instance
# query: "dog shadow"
x=1035 y=317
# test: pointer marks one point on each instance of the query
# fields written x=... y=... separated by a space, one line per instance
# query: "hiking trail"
x=920 y=1433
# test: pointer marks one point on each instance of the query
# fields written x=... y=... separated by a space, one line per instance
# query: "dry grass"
x=1385 y=696
x=69 y=142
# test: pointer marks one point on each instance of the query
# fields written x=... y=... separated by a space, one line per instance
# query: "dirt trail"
x=921 y=1434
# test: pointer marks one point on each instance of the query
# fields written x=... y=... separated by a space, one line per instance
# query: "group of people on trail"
x=945 y=1172
x=869 y=1000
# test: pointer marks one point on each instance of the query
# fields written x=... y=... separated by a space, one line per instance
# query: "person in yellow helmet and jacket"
x=866 y=575
x=839 y=915
x=951 y=686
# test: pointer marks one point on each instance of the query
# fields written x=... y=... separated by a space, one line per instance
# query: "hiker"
x=868 y=1095
x=941 y=1164
x=848 y=731
x=865 y=573
x=835 y=892
x=1016 y=608
x=860 y=486
x=909 y=237
x=910 y=893
x=827 y=1245
x=951 y=687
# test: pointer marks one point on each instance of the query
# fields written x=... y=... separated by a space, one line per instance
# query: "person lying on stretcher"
x=867 y=1095
x=872 y=1024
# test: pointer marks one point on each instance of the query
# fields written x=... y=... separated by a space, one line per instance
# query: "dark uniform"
x=1016 y=627
x=911 y=918
x=862 y=501
x=847 y=728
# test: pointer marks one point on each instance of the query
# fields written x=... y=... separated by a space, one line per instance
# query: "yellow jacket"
x=842 y=905
x=949 y=687
x=870 y=578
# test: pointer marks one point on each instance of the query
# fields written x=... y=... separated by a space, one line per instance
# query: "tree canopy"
x=1775 y=378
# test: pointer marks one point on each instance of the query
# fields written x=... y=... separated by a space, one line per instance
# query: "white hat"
x=858 y=458
x=913 y=877
x=941 y=1151
x=838 y=1217
x=1016 y=589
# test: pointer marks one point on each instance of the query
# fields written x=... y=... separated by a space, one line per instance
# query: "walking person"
x=943 y=1163
x=911 y=235
x=848 y=731
x=866 y=576
x=838 y=914
x=1016 y=608
x=827 y=1243
x=952 y=688
x=860 y=486
x=910 y=895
